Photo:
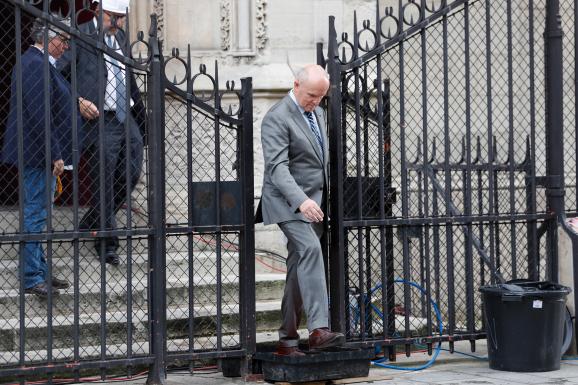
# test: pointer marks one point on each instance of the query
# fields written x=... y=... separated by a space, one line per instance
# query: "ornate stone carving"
x=226 y=25
x=261 y=25
x=159 y=10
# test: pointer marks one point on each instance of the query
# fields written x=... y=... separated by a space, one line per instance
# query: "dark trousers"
x=114 y=180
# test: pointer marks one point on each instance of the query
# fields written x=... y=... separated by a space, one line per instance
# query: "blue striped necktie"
x=315 y=129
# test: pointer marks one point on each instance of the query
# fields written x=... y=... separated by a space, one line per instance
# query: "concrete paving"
x=449 y=369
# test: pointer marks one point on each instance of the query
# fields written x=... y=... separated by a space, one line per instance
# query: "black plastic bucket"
x=525 y=325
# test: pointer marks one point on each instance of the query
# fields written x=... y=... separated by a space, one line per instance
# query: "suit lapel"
x=300 y=122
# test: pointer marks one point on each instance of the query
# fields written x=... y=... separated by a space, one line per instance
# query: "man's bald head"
x=310 y=86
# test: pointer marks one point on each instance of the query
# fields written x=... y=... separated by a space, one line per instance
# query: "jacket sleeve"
x=34 y=99
x=275 y=139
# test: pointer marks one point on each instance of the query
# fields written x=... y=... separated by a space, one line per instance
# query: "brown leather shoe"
x=288 y=348
x=289 y=351
x=323 y=338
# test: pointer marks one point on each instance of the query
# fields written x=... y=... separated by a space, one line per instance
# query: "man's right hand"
x=58 y=168
x=88 y=109
x=311 y=210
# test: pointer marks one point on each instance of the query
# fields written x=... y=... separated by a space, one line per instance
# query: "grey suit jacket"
x=294 y=166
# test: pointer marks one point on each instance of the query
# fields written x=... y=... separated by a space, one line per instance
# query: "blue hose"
x=438 y=314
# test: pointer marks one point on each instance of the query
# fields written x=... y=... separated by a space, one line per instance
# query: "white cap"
x=114 y=6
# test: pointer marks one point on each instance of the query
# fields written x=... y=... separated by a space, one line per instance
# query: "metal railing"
x=443 y=173
x=182 y=286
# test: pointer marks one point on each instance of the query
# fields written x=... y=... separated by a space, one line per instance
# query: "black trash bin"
x=525 y=325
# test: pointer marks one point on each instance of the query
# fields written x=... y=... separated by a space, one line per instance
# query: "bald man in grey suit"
x=294 y=184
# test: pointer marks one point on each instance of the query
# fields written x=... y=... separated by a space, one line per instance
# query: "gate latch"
x=550 y=181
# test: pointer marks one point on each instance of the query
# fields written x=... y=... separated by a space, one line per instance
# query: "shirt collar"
x=292 y=95
x=51 y=59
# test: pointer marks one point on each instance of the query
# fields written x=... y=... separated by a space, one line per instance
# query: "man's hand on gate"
x=58 y=167
x=88 y=109
x=311 y=210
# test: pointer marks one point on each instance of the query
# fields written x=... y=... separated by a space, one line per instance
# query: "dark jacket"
x=33 y=114
x=87 y=72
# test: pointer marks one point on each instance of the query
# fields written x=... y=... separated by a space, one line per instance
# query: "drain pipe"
x=554 y=182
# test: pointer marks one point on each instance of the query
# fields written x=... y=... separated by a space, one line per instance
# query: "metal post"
x=157 y=255
x=247 y=265
x=554 y=128
x=337 y=233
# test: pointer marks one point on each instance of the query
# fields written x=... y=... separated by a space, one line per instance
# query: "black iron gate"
x=446 y=129
x=184 y=288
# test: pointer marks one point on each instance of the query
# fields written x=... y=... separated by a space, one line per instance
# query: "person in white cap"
x=120 y=114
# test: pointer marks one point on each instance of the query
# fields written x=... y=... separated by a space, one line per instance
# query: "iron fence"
x=440 y=123
x=182 y=286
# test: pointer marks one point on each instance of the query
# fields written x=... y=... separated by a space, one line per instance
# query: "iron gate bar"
x=437 y=221
x=20 y=129
x=337 y=245
x=74 y=367
x=511 y=160
x=402 y=35
x=454 y=211
x=61 y=235
x=533 y=257
x=128 y=202
x=423 y=184
x=358 y=143
x=157 y=218
x=75 y=200
x=387 y=303
x=490 y=135
x=470 y=316
x=203 y=229
x=206 y=355
x=48 y=190
x=247 y=271
x=448 y=184
x=218 y=209
x=429 y=340
x=190 y=242
x=404 y=190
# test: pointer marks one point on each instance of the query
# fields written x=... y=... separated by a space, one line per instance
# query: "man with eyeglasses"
x=122 y=116
x=46 y=116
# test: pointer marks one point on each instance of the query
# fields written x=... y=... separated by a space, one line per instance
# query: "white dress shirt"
x=110 y=91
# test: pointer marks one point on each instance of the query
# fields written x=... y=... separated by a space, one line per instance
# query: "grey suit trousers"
x=305 y=287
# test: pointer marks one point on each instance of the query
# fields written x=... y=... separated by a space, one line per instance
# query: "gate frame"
x=157 y=85
x=553 y=181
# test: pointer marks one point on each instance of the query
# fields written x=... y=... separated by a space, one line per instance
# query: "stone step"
x=268 y=287
x=204 y=264
x=65 y=248
x=120 y=350
x=89 y=267
x=89 y=329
